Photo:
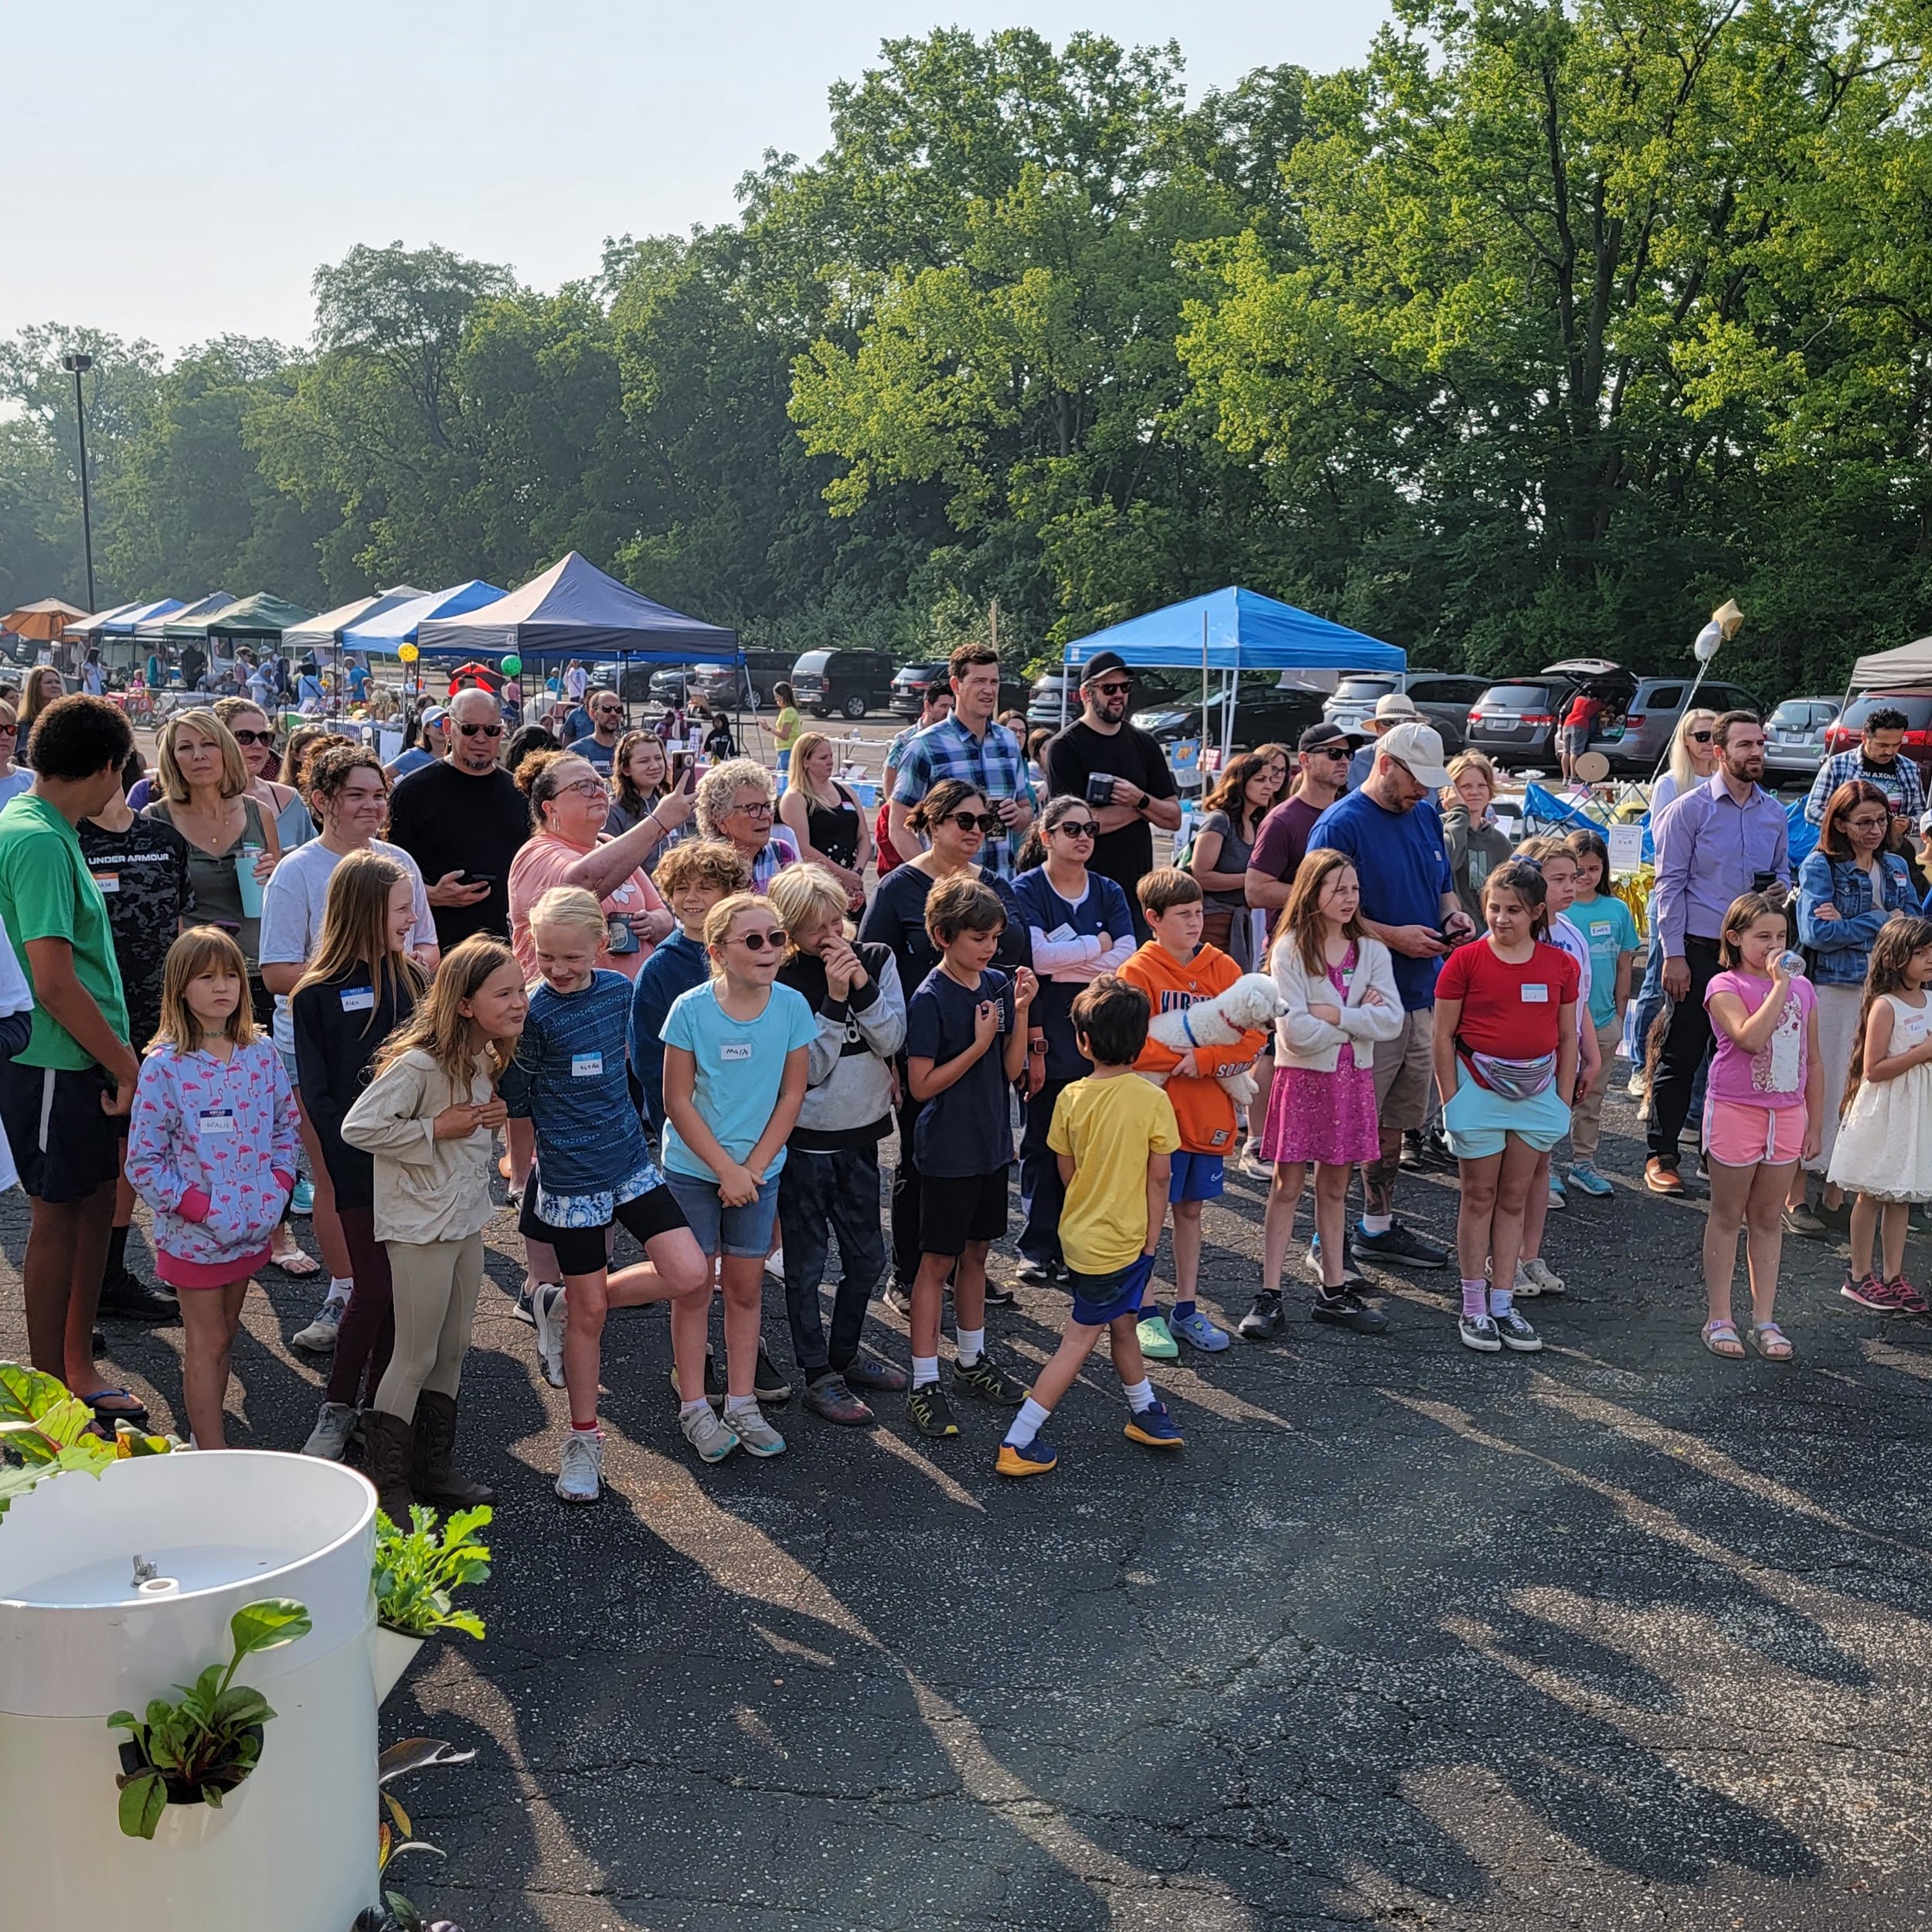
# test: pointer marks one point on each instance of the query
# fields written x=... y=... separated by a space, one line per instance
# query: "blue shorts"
x=1196 y=1177
x=1476 y=1120
x=741 y=1232
x=1098 y=1299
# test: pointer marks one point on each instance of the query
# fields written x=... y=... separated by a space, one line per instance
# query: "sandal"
x=297 y=1264
x=100 y=1401
x=1771 y=1341
x=1717 y=1334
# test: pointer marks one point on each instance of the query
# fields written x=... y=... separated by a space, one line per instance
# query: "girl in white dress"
x=1884 y=1150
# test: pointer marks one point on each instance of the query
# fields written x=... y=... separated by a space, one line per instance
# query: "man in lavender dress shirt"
x=1720 y=840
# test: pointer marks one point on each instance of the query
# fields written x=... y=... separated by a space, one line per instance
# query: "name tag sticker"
x=1536 y=994
x=108 y=882
x=1600 y=929
x=218 y=1120
x=735 y=1050
x=584 y=1066
x=358 y=999
x=1060 y=934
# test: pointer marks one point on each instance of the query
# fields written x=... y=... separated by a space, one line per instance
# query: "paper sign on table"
x=1626 y=844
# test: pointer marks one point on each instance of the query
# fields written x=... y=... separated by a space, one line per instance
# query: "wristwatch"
x=1146 y=800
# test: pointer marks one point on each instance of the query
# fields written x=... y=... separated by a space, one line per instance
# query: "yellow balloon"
x=406 y=652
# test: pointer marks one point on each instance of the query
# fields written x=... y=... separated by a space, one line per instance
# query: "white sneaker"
x=1637 y=1086
x=580 y=1476
x=335 y=1423
x=707 y=1434
x=552 y=1314
x=1253 y=1166
x=775 y=1264
x=319 y=1336
x=1538 y=1272
x=755 y=1436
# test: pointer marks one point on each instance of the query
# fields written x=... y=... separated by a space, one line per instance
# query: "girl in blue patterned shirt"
x=593 y=1171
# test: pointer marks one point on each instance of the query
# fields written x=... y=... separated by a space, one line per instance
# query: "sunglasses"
x=986 y=821
x=252 y=737
x=481 y=730
x=1078 y=828
x=1113 y=690
x=1338 y=753
x=1699 y=737
x=757 y=942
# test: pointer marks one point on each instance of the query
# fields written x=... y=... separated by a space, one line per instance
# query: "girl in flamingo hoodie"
x=212 y=1149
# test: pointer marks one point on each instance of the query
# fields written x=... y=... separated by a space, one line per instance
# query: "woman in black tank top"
x=824 y=818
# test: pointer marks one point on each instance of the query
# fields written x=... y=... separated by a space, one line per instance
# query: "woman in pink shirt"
x=568 y=804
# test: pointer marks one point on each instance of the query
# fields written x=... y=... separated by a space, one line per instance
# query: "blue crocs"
x=1199 y=1332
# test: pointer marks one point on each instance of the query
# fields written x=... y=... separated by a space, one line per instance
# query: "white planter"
x=80 y=1639
x=390 y=1654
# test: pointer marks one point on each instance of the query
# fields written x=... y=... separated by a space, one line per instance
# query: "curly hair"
x=715 y=789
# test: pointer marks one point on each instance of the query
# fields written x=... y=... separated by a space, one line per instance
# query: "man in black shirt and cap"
x=1101 y=744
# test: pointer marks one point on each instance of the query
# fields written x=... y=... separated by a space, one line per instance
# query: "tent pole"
x=1200 y=762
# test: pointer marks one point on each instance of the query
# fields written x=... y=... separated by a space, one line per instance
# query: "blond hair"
x=570 y=906
x=355 y=932
x=235 y=777
x=718 y=922
x=191 y=955
x=440 y=1029
x=806 y=747
x=806 y=897
x=1469 y=761
x=707 y=862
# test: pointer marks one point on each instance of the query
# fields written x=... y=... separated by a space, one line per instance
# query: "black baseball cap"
x=1100 y=664
x=1317 y=735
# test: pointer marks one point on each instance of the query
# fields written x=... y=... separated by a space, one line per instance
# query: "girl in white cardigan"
x=1338 y=989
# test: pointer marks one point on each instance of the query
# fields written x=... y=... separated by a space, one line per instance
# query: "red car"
x=1916 y=707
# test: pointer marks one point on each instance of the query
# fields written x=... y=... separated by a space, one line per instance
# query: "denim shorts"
x=743 y=1232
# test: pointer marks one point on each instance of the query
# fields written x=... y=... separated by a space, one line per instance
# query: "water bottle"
x=1792 y=964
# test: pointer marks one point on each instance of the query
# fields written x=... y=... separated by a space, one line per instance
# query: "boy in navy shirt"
x=965 y=1045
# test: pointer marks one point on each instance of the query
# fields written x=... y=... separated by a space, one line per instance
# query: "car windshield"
x=1916 y=706
x=1794 y=715
x=1365 y=689
x=1516 y=697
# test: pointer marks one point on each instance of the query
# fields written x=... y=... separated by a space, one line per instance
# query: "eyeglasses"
x=252 y=737
x=1077 y=828
x=481 y=730
x=754 y=808
x=591 y=787
x=986 y=822
x=1699 y=737
x=757 y=942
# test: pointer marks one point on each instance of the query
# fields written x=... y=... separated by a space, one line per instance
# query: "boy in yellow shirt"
x=1113 y=1134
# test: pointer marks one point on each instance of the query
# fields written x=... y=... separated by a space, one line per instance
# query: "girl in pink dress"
x=212 y=1149
x=1338 y=992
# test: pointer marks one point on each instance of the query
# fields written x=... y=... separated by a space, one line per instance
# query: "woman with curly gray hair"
x=735 y=803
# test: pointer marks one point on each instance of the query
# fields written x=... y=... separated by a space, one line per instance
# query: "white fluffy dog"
x=1251 y=1003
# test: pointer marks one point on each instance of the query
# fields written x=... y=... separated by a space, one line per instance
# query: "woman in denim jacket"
x=1847 y=888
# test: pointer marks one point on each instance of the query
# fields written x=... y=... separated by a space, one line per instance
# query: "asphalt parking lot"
x=1619 y=1635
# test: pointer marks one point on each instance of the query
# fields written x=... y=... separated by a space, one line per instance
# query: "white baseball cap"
x=1418 y=748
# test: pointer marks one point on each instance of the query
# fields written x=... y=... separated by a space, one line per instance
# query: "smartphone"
x=689 y=780
x=479 y=879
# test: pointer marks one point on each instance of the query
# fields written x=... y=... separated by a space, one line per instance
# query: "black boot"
x=386 y=1462
x=436 y=1478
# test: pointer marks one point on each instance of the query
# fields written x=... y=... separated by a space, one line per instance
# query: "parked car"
x=1638 y=743
x=1794 y=736
x=909 y=682
x=670 y=684
x=1153 y=691
x=1844 y=731
x=736 y=687
x=1443 y=697
x=849 y=682
x=1265 y=712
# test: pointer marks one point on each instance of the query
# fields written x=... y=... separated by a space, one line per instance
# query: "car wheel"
x=821 y=711
x=855 y=706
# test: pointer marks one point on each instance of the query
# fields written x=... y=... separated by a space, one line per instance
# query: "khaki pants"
x=1587 y=1118
x=435 y=1286
x=1403 y=1073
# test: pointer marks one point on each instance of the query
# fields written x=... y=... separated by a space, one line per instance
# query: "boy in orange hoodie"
x=1174 y=969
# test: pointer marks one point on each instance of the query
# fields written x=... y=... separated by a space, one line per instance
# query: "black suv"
x=1153 y=691
x=733 y=687
x=849 y=682
x=909 y=689
x=1264 y=713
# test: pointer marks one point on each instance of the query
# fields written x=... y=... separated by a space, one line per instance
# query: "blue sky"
x=212 y=153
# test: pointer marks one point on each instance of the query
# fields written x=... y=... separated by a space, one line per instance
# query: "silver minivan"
x=1637 y=743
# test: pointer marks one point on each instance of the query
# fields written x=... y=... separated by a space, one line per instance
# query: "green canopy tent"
x=261 y=619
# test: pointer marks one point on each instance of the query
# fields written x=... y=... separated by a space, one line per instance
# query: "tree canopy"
x=1536 y=334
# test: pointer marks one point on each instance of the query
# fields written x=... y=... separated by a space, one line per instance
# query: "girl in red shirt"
x=1505 y=1065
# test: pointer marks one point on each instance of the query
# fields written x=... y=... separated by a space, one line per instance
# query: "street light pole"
x=77 y=365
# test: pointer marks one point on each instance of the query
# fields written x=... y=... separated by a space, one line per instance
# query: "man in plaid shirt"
x=968 y=746
x=1878 y=762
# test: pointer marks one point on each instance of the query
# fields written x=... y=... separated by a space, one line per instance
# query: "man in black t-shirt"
x=462 y=820
x=1101 y=741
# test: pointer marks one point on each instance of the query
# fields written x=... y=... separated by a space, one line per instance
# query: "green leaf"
x=143 y=1799
x=266 y=1625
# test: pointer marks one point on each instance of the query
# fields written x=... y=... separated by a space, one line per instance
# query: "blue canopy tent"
x=124 y=623
x=383 y=629
x=1546 y=810
x=324 y=633
x=575 y=610
x=1233 y=630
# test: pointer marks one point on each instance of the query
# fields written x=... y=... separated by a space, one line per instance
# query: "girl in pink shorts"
x=1763 y=1111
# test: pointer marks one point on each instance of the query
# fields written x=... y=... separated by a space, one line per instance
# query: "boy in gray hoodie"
x=830 y=1179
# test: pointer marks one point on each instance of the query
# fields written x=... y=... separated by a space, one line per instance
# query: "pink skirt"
x=1326 y=1117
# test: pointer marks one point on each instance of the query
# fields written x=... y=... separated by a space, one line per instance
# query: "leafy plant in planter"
x=46 y=1430
x=197 y=1751
x=396 y=1835
x=416 y=1571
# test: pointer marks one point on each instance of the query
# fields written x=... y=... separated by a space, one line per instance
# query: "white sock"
x=1027 y=1424
x=925 y=1369
x=1502 y=1300
x=971 y=1345
x=1139 y=1395
x=338 y=1288
x=692 y=1408
x=1377 y=1223
x=741 y=1405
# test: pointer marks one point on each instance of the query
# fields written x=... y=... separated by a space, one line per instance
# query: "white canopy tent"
x=1908 y=664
